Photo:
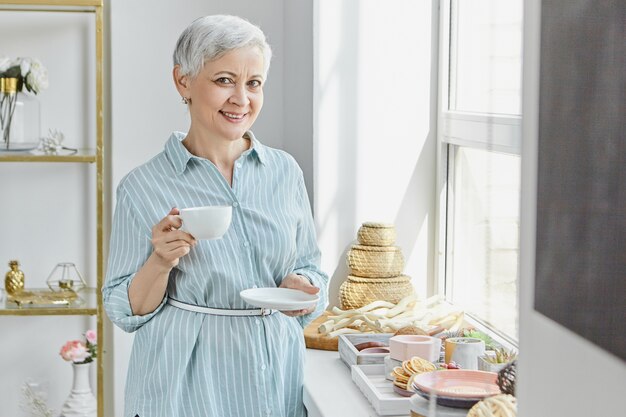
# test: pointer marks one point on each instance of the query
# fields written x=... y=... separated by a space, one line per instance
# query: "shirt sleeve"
x=308 y=256
x=130 y=247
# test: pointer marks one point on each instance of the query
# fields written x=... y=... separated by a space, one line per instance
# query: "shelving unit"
x=93 y=305
x=83 y=155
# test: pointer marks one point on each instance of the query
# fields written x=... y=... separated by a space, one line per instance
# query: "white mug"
x=209 y=222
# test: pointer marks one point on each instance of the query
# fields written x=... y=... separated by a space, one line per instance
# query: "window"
x=480 y=141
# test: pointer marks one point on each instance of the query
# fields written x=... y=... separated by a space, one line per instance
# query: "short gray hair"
x=210 y=37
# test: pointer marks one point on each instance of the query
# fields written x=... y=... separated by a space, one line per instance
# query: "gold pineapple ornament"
x=14 y=279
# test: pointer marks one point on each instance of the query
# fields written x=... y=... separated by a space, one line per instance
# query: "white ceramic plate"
x=279 y=298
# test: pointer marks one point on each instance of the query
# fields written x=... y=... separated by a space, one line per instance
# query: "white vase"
x=81 y=402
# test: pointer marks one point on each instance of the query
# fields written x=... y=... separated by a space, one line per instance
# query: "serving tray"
x=351 y=356
x=379 y=391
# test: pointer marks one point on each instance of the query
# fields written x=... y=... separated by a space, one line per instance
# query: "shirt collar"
x=256 y=147
x=179 y=156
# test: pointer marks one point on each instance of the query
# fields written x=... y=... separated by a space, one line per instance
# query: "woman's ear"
x=181 y=82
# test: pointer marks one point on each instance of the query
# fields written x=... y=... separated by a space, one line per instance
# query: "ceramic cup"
x=406 y=346
x=209 y=222
x=464 y=351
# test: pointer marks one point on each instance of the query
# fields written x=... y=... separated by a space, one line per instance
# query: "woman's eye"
x=254 y=83
x=224 y=80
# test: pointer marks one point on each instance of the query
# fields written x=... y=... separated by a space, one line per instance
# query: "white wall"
x=374 y=128
x=560 y=373
x=298 y=86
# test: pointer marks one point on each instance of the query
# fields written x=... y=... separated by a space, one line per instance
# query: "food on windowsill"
x=430 y=315
x=451 y=365
x=413 y=330
x=404 y=375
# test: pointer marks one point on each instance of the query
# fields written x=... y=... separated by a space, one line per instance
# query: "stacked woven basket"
x=376 y=267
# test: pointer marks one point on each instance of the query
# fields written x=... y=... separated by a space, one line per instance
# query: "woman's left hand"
x=298 y=282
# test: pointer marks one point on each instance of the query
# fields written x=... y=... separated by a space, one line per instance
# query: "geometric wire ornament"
x=65 y=276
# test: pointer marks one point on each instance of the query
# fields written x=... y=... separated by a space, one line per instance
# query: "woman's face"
x=227 y=95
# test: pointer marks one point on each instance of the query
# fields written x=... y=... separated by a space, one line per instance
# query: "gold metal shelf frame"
x=93 y=156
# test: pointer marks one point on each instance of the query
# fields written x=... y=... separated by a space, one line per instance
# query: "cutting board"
x=315 y=340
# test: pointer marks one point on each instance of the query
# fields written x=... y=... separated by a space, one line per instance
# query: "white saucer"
x=279 y=298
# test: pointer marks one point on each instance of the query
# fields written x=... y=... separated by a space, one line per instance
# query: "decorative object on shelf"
x=19 y=114
x=81 y=402
x=65 y=276
x=501 y=405
x=40 y=297
x=506 y=378
x=494 y=362
x=14 y=279
x=63 y=286
x=34 y=400
x=52 y=144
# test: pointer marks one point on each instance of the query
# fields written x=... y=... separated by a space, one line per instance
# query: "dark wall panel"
x=581 y=200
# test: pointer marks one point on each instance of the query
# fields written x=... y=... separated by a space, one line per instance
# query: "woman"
x=235 y=360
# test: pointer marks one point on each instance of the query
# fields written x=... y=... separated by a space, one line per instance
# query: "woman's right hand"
x=170 y=243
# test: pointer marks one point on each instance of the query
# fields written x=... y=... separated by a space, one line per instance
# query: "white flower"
x=5 y=63
x=25 y=64
x=37 y=78
x=52 y=144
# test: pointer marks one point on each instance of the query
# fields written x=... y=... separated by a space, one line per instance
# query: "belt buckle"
x=266 y=311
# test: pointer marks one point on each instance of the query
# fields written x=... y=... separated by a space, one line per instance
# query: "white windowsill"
x=330 y=392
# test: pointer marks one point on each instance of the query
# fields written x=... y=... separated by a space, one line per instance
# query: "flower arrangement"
x=30 y=73
x=79 y=352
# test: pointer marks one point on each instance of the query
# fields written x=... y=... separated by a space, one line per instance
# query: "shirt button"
x=263 y=367
x=268 y=412
x=258 y=322
x=246 y=244
x=255 y=286
x=235 y=204
x=238 y=164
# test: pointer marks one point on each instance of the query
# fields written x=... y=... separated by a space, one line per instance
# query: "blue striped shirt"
x=186 y=364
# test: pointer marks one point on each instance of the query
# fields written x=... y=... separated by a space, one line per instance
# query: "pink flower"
x=91 y=336
x=75 y=351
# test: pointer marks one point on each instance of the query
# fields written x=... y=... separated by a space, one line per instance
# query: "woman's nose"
x=240 y=96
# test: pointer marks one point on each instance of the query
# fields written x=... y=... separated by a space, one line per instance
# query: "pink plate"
x=457 y=383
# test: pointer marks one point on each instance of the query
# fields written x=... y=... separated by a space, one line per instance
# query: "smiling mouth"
x=233 y=116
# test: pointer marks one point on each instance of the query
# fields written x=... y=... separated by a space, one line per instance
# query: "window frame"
x=490 y=132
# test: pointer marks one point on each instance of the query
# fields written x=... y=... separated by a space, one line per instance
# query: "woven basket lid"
x=368 y=248
x=377 y=225
x=383 y=280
